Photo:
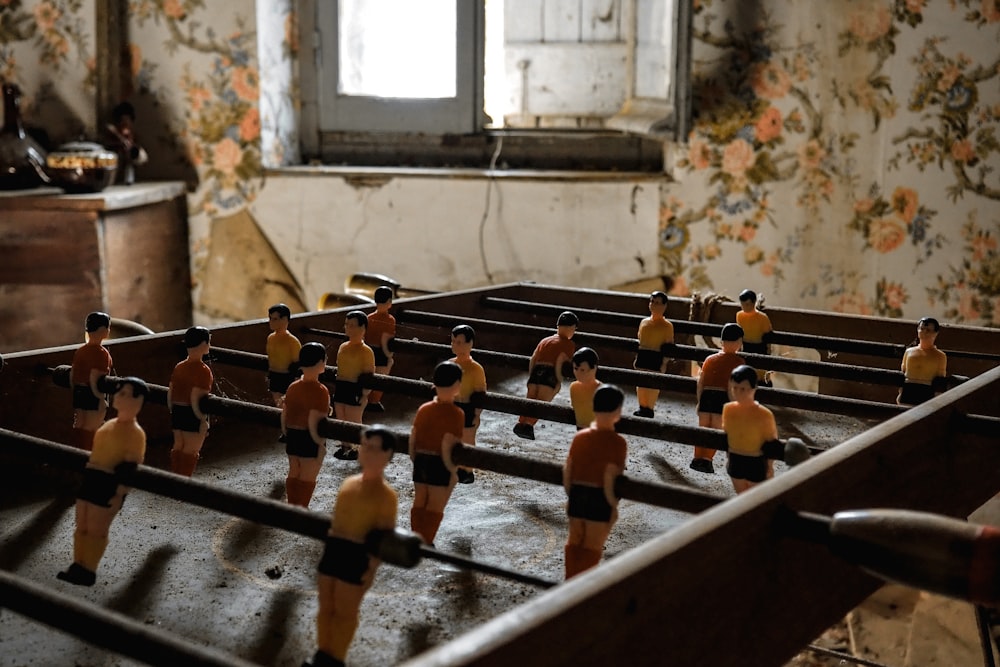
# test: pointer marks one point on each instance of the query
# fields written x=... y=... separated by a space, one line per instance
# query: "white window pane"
x=398 y=48
x=653 y=49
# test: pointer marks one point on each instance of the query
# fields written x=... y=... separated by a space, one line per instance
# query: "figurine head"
x=928 y=323
x=97 y=326
x=608 y=398
x=96 y=320
x=355 y=324
x=658 y=303
x=278 y=315
x=312 y=354
x=585 y=362
x=129 y=395
x=748 y=300
x=462 y=338
x=377 y=446
x=447 y=373
x=566 y=324
x=732 y=337
x=447 y=380
x=383 y=294
x=731 y=332
x=743 y=383
x=927 y=330
x=196 y=336
x=123 y=113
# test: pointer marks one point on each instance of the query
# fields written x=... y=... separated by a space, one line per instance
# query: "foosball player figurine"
x=596 y=458
x=364 y=503
x=756 y=328
x=581 y=390
x=922 y=364
x=545 y=368
x=473 y=384
x=749 y=426
x=189 y=383
x=655 y=334
x=123 y=141
x=306 y=404
x=120 y=444
x=282 y=352
x=354 y=359
x=90 y=361
x=378 y=336
x=437 y=426
x=712 y=390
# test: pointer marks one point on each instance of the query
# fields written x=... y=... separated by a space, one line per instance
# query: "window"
x=577 y=84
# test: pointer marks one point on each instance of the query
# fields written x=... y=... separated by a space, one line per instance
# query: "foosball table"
x=219 y=570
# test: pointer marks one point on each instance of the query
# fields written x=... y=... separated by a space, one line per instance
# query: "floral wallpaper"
x=844 y=154
x=850 y=167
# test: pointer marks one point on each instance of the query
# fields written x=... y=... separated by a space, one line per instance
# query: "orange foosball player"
x=90 y=361
x=437 y=426
x=545 y=369
x=596 y=458
x=713 y=390
x=306 y=404
x=190 y=381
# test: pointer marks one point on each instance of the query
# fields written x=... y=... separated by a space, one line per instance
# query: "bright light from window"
x=398 y=48
x=496 y=97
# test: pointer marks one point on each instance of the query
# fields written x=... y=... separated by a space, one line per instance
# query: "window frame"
x=632 y=134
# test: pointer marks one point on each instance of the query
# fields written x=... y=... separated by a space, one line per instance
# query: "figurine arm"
x=386 y=337
x=611 y=473
x=561 y=361
x=197 y=393
x=567 y=474
x=448 y=441
x=95 y=375
x=369 y=369
x=315 y=416
x=772 y=433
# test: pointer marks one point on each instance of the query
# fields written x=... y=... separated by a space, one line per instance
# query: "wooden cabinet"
x=123 y=250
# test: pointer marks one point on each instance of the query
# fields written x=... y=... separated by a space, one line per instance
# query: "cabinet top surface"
x=113 y=198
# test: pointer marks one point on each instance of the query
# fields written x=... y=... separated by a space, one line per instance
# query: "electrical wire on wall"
x=486 y=210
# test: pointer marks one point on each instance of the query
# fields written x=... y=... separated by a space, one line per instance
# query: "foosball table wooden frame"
x=730 y=585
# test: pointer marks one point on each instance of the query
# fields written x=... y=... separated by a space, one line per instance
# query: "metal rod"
x=264 y=511
x=651 y=493
x=514 y=405
x=785 y=398
x=107 y=629
x=825 y=369
x=659 y=494
x=871 y=348
x=470 y=564
x=844 y=656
